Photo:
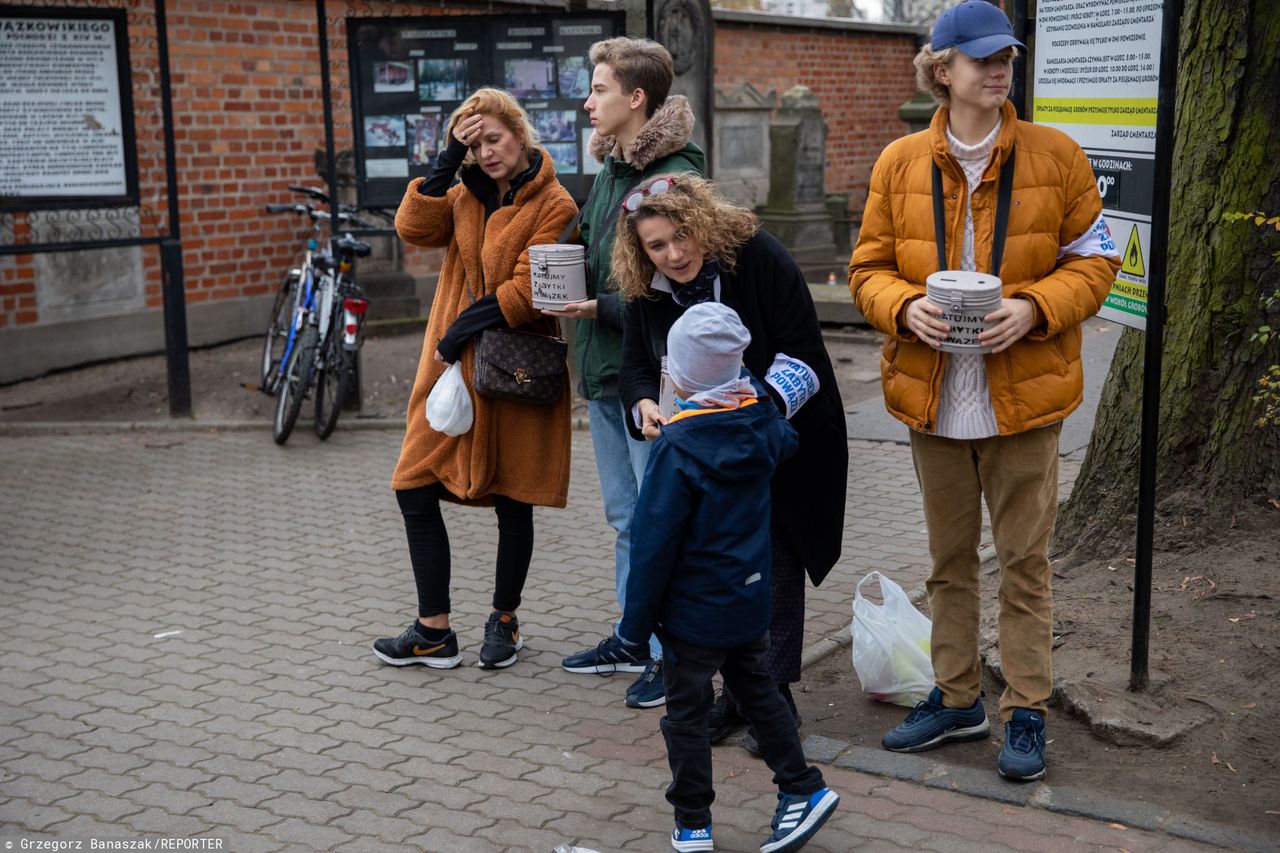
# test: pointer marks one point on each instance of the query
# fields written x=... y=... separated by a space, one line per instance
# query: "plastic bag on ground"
x=891 y=645
x=449 y=403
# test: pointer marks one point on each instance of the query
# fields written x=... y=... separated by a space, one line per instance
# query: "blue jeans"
x=620 y=461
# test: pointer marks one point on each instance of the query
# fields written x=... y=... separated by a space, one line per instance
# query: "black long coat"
x=769 y=293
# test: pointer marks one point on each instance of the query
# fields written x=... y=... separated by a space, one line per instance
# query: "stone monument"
x=796 y=211
x=741 y=162
x=685 y=28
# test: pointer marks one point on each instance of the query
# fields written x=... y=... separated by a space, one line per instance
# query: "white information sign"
x=62 y=126
x=1096 y=78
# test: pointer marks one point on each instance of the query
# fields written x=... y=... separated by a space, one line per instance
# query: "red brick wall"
x=860 y=78
x=246 y=98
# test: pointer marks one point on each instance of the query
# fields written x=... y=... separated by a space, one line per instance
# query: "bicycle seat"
x=348 y=245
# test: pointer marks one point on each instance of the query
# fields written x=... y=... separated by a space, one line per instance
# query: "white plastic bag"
x=891 y=645
x=449 y=403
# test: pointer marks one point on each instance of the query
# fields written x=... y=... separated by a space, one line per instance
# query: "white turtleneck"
x=964 y=406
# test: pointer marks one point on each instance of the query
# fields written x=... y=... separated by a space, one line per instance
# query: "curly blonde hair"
x=502 y=106
x=718 y=226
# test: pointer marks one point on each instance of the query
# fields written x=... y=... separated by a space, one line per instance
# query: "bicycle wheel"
x=293 y=386
x=332 y=381
x=273 y=342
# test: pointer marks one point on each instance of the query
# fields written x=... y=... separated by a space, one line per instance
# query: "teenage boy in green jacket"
x=640 y=132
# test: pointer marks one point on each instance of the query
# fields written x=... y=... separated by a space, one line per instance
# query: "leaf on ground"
x=1229 y=767
x=1249 y=706
x=1213 y=758
x=1117 y=826
x=1275 y=503
x=1245 y=618
x=1271 y=811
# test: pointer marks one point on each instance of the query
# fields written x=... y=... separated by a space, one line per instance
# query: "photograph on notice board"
x=575 y=77
x=590 y=165
x=565 y=156
x=442 y=79
x=383 y=131
x=555 y=125
x=392 y=77
x=530 y=78
x=425 y=137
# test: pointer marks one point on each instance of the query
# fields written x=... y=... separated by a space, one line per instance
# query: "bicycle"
x=303 y=332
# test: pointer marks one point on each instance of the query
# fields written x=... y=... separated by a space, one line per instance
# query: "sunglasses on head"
x=656 y=187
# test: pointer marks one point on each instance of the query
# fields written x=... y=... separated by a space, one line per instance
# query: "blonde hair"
x=718 y=226
x=502 y=106
x=926 y=61
x=637 y=64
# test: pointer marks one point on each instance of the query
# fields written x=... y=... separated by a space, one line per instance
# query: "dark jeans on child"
x=429 y=548
x=686 y=675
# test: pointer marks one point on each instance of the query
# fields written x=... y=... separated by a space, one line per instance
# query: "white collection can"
x=558 y=273
x=965 y=298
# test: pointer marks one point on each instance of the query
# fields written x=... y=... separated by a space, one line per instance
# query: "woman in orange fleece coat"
x=516 y=455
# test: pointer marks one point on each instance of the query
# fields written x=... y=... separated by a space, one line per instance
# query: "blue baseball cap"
x=975 y=28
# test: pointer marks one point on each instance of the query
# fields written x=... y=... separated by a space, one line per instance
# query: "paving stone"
x=309 y=836
x=33 y=817
x=244 y=793
x=102 y=781
x=223 y=812
x=369 y=827
x=311 y=809
x=316 y=787
x=105 y=807
x=441 y=840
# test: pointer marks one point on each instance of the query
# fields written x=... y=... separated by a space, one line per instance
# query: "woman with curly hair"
x=680 y=244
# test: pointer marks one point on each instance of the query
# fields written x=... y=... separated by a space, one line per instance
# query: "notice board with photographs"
x=409 y=74
x=66 y=110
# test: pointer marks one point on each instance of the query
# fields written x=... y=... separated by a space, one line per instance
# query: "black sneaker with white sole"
x=412 y=647
x=501 y=641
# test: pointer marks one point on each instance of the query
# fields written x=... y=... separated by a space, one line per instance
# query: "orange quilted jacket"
x=1038 y=380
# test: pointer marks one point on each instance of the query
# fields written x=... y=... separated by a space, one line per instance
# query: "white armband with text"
x=794 y=381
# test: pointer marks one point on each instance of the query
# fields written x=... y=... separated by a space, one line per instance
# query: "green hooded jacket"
x=662 y=147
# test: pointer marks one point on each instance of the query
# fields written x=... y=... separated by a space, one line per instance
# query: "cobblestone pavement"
x=185 y=653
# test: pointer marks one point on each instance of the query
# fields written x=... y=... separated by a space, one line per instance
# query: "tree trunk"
x=1214 y=463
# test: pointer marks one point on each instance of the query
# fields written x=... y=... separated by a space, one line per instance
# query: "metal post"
x=326 y=95
x=331 y=173
x=1022 y=25
x=1138 y=673
x=174 y=288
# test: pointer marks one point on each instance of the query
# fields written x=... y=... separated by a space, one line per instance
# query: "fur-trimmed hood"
x=666 y=132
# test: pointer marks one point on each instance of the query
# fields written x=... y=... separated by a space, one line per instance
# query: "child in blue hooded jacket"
x=700 y=558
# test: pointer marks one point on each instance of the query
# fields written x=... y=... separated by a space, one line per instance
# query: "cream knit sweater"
x=964 y=406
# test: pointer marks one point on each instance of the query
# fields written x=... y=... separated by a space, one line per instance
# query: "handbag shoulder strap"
x=1003 y=201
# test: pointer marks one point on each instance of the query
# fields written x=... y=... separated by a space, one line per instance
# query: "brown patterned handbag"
x=521 y=366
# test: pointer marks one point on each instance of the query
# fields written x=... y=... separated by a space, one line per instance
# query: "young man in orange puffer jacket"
x=984 y=425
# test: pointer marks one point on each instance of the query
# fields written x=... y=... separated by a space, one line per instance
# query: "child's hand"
x=651 y=419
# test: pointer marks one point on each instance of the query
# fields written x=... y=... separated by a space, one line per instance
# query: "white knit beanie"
x=705 y=346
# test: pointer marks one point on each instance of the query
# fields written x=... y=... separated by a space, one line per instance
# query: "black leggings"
x=429 y=548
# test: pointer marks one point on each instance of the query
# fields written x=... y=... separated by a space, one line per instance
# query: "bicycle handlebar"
x=311 y=191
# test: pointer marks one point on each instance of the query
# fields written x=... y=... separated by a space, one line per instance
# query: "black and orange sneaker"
x=413 y=647
x=501 y=641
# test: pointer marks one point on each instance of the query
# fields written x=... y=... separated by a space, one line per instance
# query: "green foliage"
x=1268 y=396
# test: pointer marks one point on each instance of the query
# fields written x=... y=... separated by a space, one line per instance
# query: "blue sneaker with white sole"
x=647 y=690
x=691 y=840
x=798 y=818
x=1022 y=756
x=932 y=724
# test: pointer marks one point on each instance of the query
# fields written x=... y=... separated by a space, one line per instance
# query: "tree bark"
x=1214 y=463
